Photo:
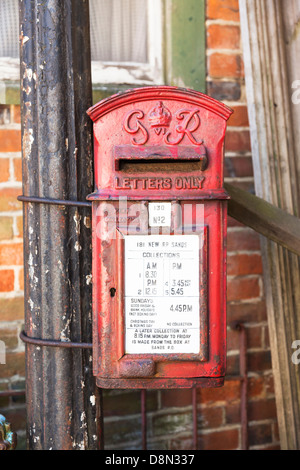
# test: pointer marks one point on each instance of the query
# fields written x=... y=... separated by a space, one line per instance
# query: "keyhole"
x=113 y=292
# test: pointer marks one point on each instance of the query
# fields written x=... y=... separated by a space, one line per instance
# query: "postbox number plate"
x=162 y=301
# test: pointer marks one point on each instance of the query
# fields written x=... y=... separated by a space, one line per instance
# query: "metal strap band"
x=60 y=202
x=54 y=343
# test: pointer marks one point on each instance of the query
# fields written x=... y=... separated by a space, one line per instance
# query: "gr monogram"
x=159 y=119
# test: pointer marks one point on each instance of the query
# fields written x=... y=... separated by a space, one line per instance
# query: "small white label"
x=159 y=214
x=162 y=294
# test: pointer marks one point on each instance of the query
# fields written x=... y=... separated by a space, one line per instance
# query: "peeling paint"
x=28 y=74
x=83 y=423
x=89 y=279
x=77 y=246
x=28 y=140
x=87 y=222
x=27 y=90
x=65 y=333
x=93 y=400
x=77 y=218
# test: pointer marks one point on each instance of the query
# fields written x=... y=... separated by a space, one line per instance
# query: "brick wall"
x=169 y=412
x=11 y=267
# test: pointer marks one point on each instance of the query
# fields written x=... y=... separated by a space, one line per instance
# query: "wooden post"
x=268 y=85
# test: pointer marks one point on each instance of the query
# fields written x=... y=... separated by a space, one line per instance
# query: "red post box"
x=159 y=240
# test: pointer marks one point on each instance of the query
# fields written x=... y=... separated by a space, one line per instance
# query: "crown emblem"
x=160 y=118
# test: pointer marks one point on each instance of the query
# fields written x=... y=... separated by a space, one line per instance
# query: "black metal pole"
x=63 y=409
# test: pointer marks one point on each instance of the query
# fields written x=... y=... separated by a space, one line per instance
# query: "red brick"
x=266 y=338
x=232 y=340
x=260 y=434
x=6 y=228
x=11 y=309
x=243 y=240
x=20 y=226
x=18 y=169
x=255 y=337
x=233 y=413
x=4 y=170
x=11 y=254
x=238 y=167
x=10 y=337
x=15 y=365
x=221 y=90
x=247 y=312
x=243 y=264
x=4 y=401
x=223 y=10
x=21 y=279
x=17 y=418
x=269 y=383
x=237 y=141
x=233 y=365
x=225 y=65
x=8 y=199
x=239 y=118
x=223 y=37
x=10 y=140
x=16 y=114
x=242 y=288
x=170 y=398
x=230 y=392
x=7 y=279
x=210 y=418
x=256 y=387
x=276 y=432
x=259 y=361
x=222 y=440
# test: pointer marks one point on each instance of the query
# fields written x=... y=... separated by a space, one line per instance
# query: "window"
x=126 y=41
x=9 y=40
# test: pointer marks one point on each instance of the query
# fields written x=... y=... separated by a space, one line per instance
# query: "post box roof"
x=162 y=92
